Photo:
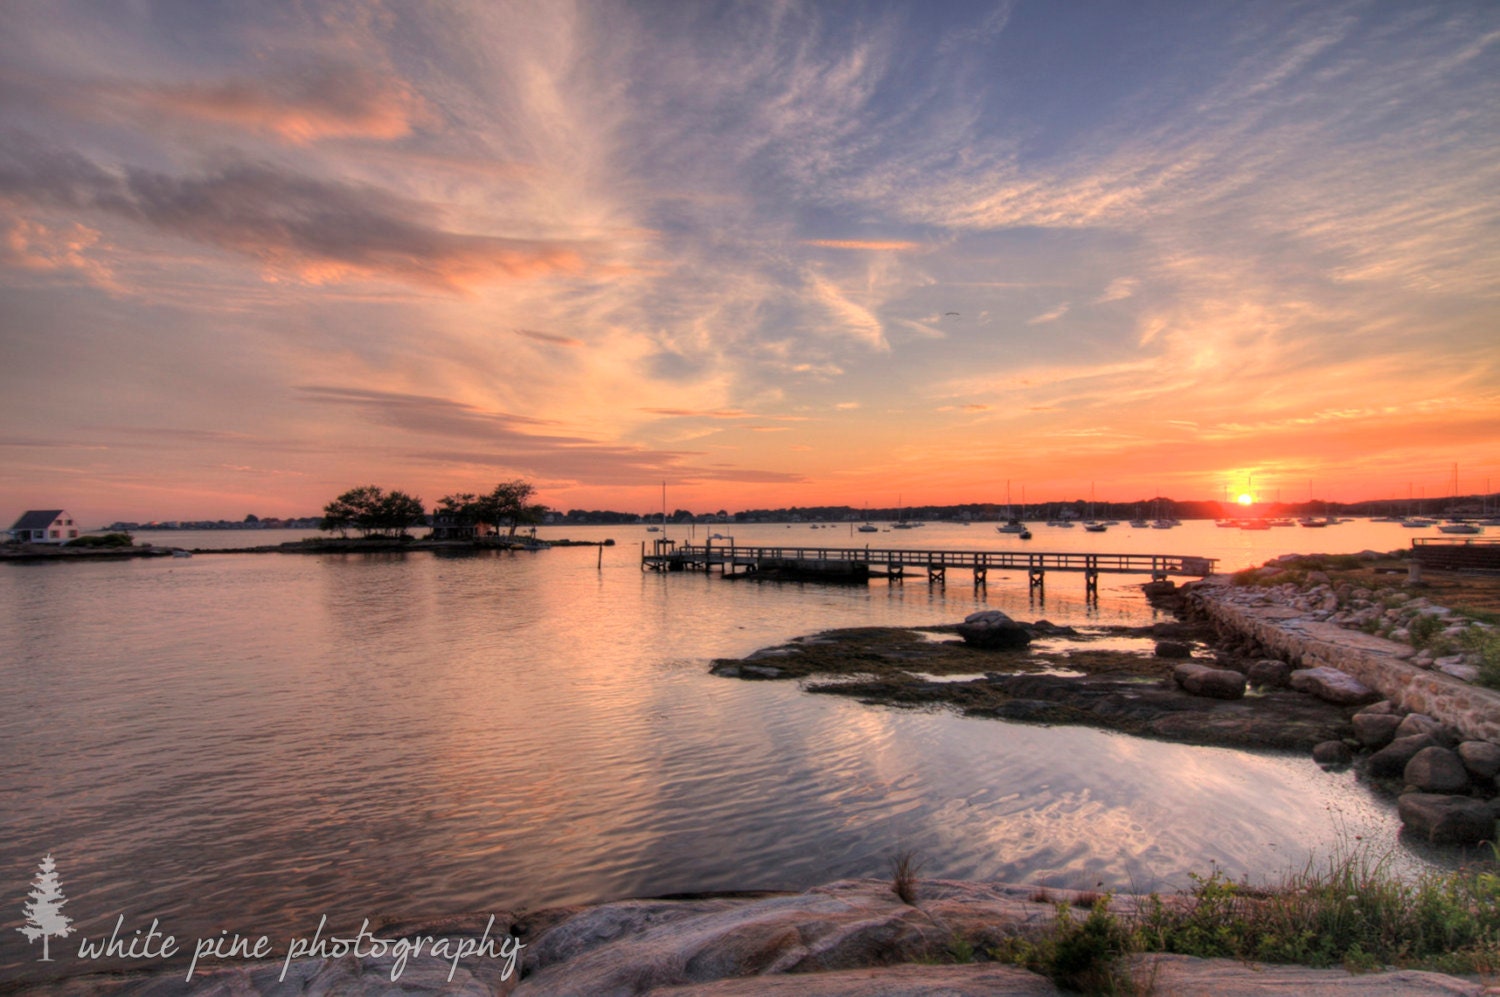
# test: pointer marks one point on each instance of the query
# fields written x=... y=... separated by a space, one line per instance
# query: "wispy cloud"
x=1119 y=289
x=1049 y=316
x=594 y=243
x=698 y=413
x=852 y=319
x=316 y=231
x=870 y=245
x=319 y=101
x=549 y=337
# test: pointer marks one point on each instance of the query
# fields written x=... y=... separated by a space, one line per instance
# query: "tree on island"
x=506 y=506
x=461 y=509
x=44 y=916
x=372 y=511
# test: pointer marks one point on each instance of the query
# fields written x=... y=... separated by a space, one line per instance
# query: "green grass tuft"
x=904 y=868
x=1486 y=644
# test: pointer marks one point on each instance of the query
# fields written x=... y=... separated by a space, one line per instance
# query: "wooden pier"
x=855 y=564
x=1457 y=553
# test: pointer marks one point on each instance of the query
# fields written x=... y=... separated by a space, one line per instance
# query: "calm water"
x=252 y=741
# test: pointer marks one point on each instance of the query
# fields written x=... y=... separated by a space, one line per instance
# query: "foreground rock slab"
x=853 y=938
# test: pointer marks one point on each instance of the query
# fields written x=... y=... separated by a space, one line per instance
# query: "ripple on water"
x=254 y=742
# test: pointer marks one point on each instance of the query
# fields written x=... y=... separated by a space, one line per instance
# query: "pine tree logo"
x=44 y=916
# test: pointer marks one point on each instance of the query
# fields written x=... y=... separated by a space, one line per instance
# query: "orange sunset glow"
x=771 y=255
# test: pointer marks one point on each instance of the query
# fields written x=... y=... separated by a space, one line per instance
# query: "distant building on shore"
x=45 y=526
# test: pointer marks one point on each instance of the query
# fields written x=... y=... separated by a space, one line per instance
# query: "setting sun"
x=1245 y=499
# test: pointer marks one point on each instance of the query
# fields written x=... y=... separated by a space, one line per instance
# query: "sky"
x=770 y=254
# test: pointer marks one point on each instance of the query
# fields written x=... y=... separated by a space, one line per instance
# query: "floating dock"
x=856 y=564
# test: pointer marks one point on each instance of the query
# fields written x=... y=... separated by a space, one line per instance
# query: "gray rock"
x=1385 y=706
x=1212 y=683
x=1332 y=754
x=1481 y=758
x=1173 y=649
x=1332 y=686
x=1436 y=770
x=1454 y=820
x=1418 y=723
x=978 y=979
x=1390 y=761
x=1375 y=730
x=1460 y=669
x=993 y=631
x=1270 y=672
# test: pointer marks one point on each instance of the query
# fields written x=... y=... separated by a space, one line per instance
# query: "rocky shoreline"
x=1059 y=678
x=853 y=938
x=1426 y=730
x=1287 y=656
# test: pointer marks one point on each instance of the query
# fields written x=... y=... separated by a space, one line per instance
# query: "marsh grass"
x=1082 y=955
x=1348 y=911
x=1351 y=911
x=904 y=868
x=1423 y=629
x=1486 y=644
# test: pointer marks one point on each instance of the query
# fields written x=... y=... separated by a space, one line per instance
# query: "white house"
x=45 y=526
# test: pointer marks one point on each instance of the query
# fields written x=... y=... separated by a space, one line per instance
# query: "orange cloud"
x=324 y=101
x=871 y=245
x=699 y=413
x=30 y=245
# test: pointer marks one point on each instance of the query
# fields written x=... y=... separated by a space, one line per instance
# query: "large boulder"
x=1436 y=770
x=1384 y=706
x=1390 y=761
x=1332 y=754
x=1212 y=683
x=1332 y=686
x=1481 y=758
x=993 y=631
x=1270 y=672
x=1446 y=820
x=1375 y=730
x=1418 y=723
x=1173 y=649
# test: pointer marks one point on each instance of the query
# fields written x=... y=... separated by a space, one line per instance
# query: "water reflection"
x=254 y=741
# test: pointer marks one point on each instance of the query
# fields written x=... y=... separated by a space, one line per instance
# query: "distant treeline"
x=1150 y=508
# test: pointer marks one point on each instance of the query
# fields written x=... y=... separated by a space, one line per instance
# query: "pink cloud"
x=317 y=102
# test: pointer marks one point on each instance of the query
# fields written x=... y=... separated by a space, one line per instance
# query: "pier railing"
x=1462 y=553
x=847 y=561
x=1142 y=564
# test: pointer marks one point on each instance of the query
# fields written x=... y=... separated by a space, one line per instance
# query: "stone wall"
x=1383 y=665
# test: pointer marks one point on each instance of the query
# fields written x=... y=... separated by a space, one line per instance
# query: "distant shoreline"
x=49 y=552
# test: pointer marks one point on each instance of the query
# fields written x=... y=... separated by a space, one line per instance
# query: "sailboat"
x=1012 y=525
x=903 y=523
x=1092 y=525
x=1455 y=525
